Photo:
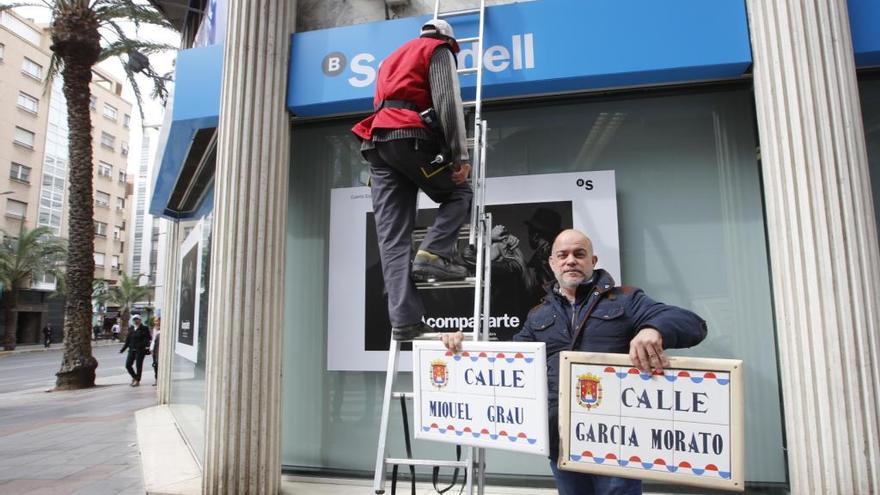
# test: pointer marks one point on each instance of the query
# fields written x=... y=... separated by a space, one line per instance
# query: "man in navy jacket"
x=584 y=311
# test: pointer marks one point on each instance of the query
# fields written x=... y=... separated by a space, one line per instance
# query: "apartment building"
x=24 y=111
x=111 y=120
x=34 y=151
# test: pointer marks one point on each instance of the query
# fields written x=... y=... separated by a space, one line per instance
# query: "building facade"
x=744 y=142
x=111 y=119
x=36 y=155
x=25 y=59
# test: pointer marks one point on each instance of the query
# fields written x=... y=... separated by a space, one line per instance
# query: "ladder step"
x=405 y=395
x=424 y=230
x=455 y=13
x=419 y=234
x=472 y=39
x=425 y=462
x=469 y=70
x=469 y=104
x=467 y=283
x=464 y=234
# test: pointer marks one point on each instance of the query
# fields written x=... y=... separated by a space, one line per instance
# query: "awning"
x=187 y=133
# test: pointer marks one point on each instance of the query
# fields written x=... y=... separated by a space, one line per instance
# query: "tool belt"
x=396 y=104
x=429 y=118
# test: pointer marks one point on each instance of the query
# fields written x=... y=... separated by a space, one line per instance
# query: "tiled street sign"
x=491 y=395
x=683 y=425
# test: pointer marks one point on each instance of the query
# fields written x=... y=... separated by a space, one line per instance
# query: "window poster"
x=527 y=211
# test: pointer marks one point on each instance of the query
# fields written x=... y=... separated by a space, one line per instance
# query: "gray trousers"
x=399 y=168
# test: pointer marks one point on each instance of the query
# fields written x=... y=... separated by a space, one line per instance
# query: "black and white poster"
x=188 y=300
x=527 y=213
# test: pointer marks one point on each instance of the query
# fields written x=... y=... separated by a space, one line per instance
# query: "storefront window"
x=188 y=365
x=691 y=231
x=870 y=95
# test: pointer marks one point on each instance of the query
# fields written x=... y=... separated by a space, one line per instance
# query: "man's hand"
x=452 y=341
x=460 y=175
x=646 y=351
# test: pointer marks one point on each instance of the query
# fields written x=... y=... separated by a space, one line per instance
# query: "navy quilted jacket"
x=613 y=317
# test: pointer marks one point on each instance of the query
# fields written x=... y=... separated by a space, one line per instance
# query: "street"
x=37 y=369
x=81 y=441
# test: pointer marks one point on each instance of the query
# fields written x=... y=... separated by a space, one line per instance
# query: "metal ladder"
x=479 y=234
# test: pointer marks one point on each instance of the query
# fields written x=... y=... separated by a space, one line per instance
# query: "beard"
x=573 y=282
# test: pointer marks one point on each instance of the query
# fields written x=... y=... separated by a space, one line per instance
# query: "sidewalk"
x=71 y=442
x=170 y=469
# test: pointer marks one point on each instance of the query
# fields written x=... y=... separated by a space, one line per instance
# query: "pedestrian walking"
x=114 y=330
x=138 y=344
x=47 y=335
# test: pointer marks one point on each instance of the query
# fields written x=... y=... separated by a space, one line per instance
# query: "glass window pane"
x=31 y=68
x=19 y=172
x=28 y=102
x=24 y=137
x=110 y=111
x=102 y=199
x=870 y=97
x=188 y=387
x=15 y=209
x=107 y=139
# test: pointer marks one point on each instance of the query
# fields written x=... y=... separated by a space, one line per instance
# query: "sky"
x=162 y=64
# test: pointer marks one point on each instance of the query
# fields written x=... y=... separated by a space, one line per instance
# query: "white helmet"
x=438 y=28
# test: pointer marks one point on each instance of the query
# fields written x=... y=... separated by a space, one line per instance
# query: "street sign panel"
x=682 y=425
x=491 y=395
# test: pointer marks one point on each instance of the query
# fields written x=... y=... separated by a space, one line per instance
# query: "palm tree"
x=25 y=258
x=85 y=32
x=125 y=294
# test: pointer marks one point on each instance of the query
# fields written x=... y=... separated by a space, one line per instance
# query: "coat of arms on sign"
x=438 y=373
x=589 y=393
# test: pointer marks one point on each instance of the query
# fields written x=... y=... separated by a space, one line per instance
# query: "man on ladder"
x=416 y=139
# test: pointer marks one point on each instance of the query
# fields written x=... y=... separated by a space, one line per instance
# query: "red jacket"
x=402 y=76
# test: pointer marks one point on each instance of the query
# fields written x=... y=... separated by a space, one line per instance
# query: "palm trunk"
x=75 y=39
x=11 y=336
x=124 y=316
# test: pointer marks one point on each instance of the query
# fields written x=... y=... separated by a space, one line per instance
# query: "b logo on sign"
x=333 y=64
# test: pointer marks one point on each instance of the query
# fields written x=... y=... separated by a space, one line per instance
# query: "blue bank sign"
x=539 y=47
x=518 y=54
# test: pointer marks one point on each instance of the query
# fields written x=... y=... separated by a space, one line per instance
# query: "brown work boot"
x=429 y=267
